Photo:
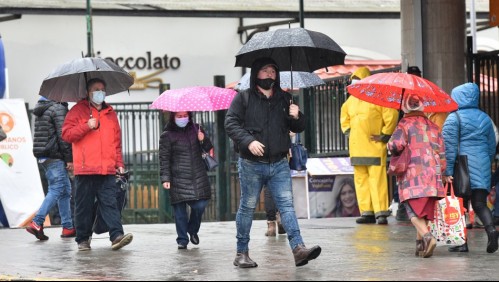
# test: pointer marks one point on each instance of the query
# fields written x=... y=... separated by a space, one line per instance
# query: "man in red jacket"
x=92 y=127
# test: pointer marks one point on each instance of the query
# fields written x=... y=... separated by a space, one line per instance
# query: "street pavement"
x=349 y=252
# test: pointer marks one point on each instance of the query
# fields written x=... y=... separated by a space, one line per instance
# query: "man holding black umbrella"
x=92 y=127
x=258 y=121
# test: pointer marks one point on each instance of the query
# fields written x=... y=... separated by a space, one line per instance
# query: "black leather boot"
x=492 y=234
x=243 y=260
x=459 y=249
x=382 y=220
x=366 y=219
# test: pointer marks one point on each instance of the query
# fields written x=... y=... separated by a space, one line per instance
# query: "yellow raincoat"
x=438 y=119
x=361 y=120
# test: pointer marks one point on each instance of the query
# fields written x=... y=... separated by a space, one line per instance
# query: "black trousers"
x=90 y=188
x=479 y=203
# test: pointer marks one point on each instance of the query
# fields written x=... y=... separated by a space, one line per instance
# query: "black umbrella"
x=293 y=49
x=68 y=82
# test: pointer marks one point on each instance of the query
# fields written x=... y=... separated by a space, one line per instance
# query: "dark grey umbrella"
x=301 y=79
x=293 y=49
x=68 y=82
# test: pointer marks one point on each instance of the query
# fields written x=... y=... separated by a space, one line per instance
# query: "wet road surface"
x=349 y=252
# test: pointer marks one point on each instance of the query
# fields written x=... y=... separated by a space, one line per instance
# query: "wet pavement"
x=349 y=252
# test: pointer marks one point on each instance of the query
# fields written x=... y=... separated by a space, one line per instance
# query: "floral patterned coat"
x=423 y=177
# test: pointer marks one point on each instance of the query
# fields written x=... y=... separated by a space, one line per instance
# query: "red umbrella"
x=388 y=90
x=193 y=99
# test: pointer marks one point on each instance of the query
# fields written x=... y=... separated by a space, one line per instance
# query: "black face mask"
x=265 y=83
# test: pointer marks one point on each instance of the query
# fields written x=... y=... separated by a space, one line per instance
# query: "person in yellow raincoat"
x=369 y=128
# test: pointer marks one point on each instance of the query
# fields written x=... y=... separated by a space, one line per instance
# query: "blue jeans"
x=59 y=191
x=88 y=189
x=190 y=225
x=277 y=178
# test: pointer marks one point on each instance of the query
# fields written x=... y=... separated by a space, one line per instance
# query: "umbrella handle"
x=90 y=110
x=402 y=98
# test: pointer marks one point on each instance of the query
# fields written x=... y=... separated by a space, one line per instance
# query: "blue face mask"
x=181 y=122
x=98 y=97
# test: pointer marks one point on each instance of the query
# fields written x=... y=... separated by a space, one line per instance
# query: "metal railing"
x=322 y=106
x=142 y=127
x=141 y=130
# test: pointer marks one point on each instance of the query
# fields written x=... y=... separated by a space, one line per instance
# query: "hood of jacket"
x=361 y=73
x=42 y=106
x=466 y=95
x=257 y=65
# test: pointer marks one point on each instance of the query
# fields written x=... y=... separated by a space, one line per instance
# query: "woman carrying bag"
x=184 y=174
x=420 y=185
x=473 y=130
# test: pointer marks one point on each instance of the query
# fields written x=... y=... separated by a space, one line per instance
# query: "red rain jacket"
x=95 y=152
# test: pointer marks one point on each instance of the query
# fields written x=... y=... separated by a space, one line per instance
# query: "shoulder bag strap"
x=196 y=131
x=458 y=134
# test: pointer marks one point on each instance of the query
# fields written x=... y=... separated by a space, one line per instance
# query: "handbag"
x=449 y=225
x=398 y=164
x=298 y=160
x=3 y=135
x=209 y=162
x=461 y=175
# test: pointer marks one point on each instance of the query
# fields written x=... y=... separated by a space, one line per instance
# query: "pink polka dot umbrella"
x=194 y=99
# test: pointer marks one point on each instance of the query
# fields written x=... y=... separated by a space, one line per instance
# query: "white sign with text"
x=21 y=189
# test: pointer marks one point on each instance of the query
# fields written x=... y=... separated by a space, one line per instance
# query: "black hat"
x=414 y=70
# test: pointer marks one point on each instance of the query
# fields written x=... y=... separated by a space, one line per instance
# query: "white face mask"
x=355 y=81
x=98 y=97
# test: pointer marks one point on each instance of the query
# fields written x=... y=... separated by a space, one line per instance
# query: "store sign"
x=149 y=62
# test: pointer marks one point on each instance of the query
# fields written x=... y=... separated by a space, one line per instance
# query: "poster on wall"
x=331 y=188
x=329 y=166
x=332 y=196
x=21 y=191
